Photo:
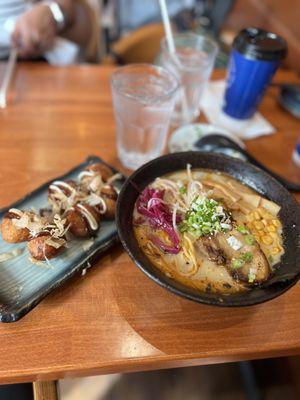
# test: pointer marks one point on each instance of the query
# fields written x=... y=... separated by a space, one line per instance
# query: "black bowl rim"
x=217 y=299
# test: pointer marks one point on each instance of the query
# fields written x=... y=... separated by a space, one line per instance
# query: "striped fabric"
x=10 y=9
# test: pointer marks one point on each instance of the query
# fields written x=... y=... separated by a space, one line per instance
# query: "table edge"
x=142 y=364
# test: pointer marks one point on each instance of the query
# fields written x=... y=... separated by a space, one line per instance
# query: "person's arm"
x=78 y=27
x=36 y=29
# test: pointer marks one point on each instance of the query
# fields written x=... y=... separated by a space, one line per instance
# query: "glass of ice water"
x=143 y=98
x=192 y=65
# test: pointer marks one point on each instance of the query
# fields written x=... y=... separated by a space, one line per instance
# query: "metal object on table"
x=8 y=73
x=218 y=143
x=289 y=98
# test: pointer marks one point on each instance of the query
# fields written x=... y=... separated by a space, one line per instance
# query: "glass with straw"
x=193 y=65
x=190 y=57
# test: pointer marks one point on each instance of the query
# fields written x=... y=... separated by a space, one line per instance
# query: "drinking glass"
x=143 y=98
x=192 y=65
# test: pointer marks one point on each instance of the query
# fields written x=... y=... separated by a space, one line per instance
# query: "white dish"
x=186 y=137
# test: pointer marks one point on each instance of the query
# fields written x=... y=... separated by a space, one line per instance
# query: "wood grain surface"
x=45 y=390
x=115 y=318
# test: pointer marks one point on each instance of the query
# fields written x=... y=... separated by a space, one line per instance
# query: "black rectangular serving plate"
x=23 y=284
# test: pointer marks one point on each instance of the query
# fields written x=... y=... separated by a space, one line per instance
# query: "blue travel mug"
x=254 y=59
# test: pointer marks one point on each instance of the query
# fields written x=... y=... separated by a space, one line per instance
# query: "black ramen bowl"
x=287 y=272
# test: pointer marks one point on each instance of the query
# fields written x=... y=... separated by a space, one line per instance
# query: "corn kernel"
x=267 y=240
x=258 y=225
x=256 y=215
x=257 y=238
x=275 y=251
x=264 y=222
x=271 y=228
x=273 y=235
x=261 y=233
x=276 y=223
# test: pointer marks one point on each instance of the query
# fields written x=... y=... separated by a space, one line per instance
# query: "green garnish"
x=251 y=277
x=247 y=257
x=242 y=229
x=244 y=258
x=237 y=263
x=271 y=259
x=182 y=190
x=205 y=217
x=249 y=239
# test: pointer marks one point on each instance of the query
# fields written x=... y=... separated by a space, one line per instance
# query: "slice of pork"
x=219 y=250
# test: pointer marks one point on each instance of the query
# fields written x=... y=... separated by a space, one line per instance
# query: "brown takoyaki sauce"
x=102 y=169
x=42 y=233
x=89 y=215
x=11 y=215
x=83 y=220
x=109 y=193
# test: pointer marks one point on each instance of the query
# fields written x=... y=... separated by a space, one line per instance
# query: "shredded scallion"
x=205 y=217
x=249 y=239
x=242 y=229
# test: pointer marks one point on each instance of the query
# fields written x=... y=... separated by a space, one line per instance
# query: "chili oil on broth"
x=190 y=266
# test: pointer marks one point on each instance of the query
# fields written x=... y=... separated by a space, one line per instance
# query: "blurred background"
x=270 y=379
x=131 y=30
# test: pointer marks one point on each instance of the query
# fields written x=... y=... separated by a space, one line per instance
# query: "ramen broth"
x=208 y=231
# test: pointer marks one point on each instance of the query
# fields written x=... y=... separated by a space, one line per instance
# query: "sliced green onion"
x=205 y=217
x=249 y=239
x=182 y=190
x=247 y=257
x=251 y=277
x=237 y=263
x=242 y=229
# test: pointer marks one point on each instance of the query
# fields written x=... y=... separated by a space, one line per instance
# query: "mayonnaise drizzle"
x=104 y=206
x=15 y=211
x=55 y=186
x=95 y=200
x=89 y=216
x=85 y=173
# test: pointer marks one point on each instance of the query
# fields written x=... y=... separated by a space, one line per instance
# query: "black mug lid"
x=259 y=44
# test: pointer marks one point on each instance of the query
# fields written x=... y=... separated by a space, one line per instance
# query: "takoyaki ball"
x=67 y=188
x=40 y=250
x=83 y=220
x=96 y=170
x=10 y=232
x=109 y=196
x=102 y=169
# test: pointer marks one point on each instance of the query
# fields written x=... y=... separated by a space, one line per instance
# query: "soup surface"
x=208 y=231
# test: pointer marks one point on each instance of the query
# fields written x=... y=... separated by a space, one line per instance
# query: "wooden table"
x=114 y=318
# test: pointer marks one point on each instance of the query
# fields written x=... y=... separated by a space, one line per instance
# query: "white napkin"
x=64 y=52
x=211 y=105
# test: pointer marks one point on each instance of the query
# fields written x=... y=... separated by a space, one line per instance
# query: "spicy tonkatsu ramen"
x=208 y=231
